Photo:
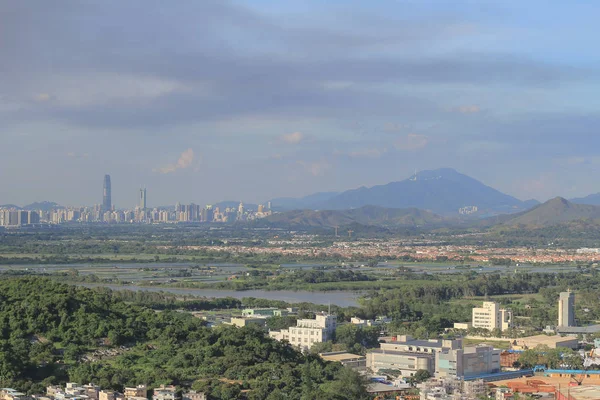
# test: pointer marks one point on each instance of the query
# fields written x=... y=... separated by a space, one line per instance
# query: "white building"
x=308 y=331
x=163 y=392
x=491 y=317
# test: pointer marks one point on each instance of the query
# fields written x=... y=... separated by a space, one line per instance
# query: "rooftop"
x=341 y=357
x=533 y=341
x=582 y=392
x=402 y=353
x=578 y=329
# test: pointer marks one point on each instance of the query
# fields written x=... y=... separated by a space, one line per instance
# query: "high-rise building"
x=106 y=198
x=566 y=309
x=143 y=199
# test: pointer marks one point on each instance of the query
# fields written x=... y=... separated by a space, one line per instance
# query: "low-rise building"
x=380 y=320
x=407 y=355
x=589 y=392
x=110 y=395
x=552 y=342
x=349 y=360
x=11 y=394
x=193 y=395
x=467 y=362
x=245 y=321
x=264 y=312
x=308 y=331
x=135 y=391
x=168 y=392
x=463 y=325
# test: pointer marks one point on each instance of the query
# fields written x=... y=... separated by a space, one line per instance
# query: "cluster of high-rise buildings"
x=16 y=217
x=106 y=212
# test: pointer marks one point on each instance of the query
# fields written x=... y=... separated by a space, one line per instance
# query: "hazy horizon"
x=251 y=100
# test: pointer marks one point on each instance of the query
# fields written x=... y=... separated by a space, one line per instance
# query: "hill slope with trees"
x=48 y=330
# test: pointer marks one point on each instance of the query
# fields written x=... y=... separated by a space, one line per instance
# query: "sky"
x=203 y=101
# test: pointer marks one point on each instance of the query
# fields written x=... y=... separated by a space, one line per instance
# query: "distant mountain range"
x=442 y=191
x=554 y=212
x=307 y=202
x=41 y=205
x=592 y=199
x=367 y=215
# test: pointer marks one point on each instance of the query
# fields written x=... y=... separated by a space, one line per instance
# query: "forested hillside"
x=48 y=330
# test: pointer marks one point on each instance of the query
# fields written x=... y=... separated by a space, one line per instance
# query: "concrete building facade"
x=467 y=362
x=408 y=355
x=566 y=309
x=308 y=331
x=490 y=316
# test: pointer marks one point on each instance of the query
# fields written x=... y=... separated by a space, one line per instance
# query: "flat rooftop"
x=578 y=329
x=421 y=343
x=591 y=392
x=341 y=357
x=403 y=353
x=533 y=341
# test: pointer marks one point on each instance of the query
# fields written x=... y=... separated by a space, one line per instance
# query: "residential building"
x=110 y=395
x=566 y=309
x=136 y=391
x=11 y=394
x=308 y=331
x=491 y=317
x=193 y=395
x=92 y=391
x=467 y=362
x=163 y=392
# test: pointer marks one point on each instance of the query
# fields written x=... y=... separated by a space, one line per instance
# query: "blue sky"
x=211 y=100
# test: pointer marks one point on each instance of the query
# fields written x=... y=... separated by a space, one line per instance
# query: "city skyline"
x=256 y=99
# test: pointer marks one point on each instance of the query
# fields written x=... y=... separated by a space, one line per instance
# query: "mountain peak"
x=559 y=201
x=444 y=191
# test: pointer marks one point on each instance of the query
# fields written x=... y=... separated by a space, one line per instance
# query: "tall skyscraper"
x=566 y=309
x=106 y=199
x=143 y=198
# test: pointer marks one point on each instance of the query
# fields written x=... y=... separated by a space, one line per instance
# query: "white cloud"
x=185 y=161
x=292 y=138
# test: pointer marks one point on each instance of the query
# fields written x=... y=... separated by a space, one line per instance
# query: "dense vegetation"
x=47 y=329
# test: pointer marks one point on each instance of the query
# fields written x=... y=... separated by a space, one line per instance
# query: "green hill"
x=368 y=215
x=46 y=328
x=556 y=211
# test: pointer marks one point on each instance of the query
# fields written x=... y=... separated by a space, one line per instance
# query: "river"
x=339 y=298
